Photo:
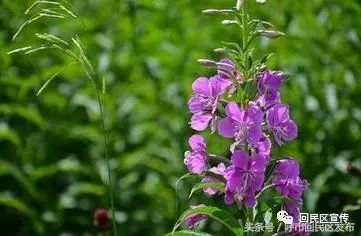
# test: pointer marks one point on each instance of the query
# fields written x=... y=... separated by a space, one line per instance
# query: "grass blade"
x=52 y=78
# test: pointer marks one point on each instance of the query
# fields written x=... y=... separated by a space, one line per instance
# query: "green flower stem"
x=264 y=189
x=219 y=158
x=106 y=153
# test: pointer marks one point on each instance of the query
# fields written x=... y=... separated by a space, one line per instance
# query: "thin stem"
x=264 y=189
x=105 y=135
x=219 y=158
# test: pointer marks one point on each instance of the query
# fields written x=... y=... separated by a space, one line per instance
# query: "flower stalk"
x=242 y=102
x=73 y=49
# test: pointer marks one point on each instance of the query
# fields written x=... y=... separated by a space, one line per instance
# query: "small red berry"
x=353 y=170
x=102 y=220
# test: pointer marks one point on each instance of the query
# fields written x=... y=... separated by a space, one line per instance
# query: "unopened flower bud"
x=217 y=11
x=261 y=1
x=221 y=51
x=208 y=63
x=229 y=22
x=101 y=219
x=270 y=33
x=239 y=4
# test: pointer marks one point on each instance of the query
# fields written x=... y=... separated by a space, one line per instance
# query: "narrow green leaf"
x=32 y=6
x=52 y=15
x=52 y=12
x=10 y=201
x=9 y=135
x=51 y=38
x=185 y=176
x=19 y=50
x=36 y=49
x=9 y=169
x=104 y=85
x=28 y=113
x=68 y=11
x=215 y=213
x=53 y=77
x=79 y=189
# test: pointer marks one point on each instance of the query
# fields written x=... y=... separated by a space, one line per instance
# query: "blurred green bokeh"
x=52 y=171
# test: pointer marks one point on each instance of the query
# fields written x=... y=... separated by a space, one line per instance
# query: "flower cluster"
x=254 y=125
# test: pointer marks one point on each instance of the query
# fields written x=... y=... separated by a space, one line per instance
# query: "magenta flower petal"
x=196 y=159
x=229 y=197
x=240 y=159
x=277 y=115
x=269 y=84
x=201 y=86
x=289 y=130
x=250 y=201
x=288 y=167
x=244 y=178
x=195 y=104
x=200 y=121
x=219 y=170
x=192 y=221
x=293 y=209
x=196 y=142
x=278 y=120
x=264 y=145
x=203 y=104
x=218 y=85
x=254 y=134
x=254 y=115
x=268 y=101
x=287 y=181
x=244 y=126
x=271 y=80
x=195 y=162
x=226 y=69
x=234 y=112
x=210 y=190
x=226 y=128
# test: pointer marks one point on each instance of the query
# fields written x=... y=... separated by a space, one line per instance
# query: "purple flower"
x=267 y=103
x=192 y=221
x=269 y=84
x=244 y=178
x=203 y=104
x=278 y=120
x=293 y=208
x=287 y=181
x=263 y=146
x=244 y=126
x=227 y=70
x=196 y=159
x=219 y=170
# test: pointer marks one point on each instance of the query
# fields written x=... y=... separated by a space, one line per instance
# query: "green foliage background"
x=52 y=171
